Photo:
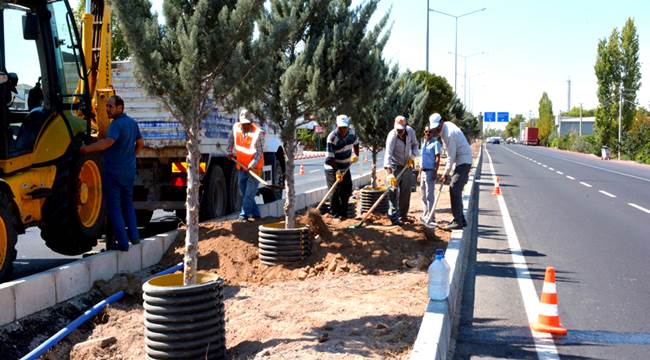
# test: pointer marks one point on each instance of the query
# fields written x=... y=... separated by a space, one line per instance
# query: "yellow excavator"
x=54 y=84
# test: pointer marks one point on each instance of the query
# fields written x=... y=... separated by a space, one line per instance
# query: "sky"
x=514 y=50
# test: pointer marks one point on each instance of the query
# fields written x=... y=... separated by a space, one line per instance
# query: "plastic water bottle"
x=439 y=277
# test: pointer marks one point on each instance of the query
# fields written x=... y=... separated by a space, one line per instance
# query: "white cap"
x=245 y=116
x=434 y=121
x=400 y=122
x=342 y=121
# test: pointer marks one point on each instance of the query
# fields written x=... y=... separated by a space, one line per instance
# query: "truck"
x=161 y=168
x=530 y=136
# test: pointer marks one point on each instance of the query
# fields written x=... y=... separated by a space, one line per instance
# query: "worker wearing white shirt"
x=459 y=155
x=401 y=149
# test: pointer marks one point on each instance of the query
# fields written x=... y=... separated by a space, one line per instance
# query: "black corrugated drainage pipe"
x=368 y=198
x=278 y=245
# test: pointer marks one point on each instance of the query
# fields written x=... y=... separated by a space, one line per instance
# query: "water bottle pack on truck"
x=161 y=179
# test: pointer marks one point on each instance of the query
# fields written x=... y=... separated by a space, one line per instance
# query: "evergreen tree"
x=193 y=56
x=630 y=72
x=546 y=124
x=328 y=61
x=439 y=97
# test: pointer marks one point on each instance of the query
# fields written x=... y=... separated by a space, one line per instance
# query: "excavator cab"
x=45 y=116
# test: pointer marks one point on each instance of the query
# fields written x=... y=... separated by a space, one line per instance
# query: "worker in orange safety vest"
x=246 y=143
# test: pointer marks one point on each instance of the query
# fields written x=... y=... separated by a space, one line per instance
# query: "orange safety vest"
x=245 y=145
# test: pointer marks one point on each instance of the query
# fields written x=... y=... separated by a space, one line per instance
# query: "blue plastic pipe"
x=49 y=343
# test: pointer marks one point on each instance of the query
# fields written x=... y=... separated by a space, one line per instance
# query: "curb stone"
x=441 y=318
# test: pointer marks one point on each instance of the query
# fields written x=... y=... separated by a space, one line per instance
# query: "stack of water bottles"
x=439 y=277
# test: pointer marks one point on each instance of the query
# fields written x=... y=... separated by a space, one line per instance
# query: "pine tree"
x=187 y=62
x=545 y=123
x=439 y=98
x=327 y=62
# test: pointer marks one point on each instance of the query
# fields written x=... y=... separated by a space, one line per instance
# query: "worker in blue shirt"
x=430 y=154
x=120 y=148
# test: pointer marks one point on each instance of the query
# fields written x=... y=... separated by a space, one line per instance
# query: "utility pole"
x=426 y=66
x=580 y=131
x=620 y=115
x=568 y=106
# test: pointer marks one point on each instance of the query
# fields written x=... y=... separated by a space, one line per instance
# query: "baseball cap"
x=245 y=116
x=434 y=120
x=400 y=122
x=342 y=121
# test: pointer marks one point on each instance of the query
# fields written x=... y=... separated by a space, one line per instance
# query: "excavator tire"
x=8 y=237
x=73 y=215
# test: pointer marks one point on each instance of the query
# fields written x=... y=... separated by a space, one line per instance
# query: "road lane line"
x=596 y=167
x=585 y=184
x=314 y=171
x=570 y=177
x=639 y=207
x=551 y=169
x=606 y=193
x=544 y=344
x=559 y=172
x=545 y=166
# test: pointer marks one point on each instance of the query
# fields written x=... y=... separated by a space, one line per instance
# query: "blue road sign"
x=490 y=117
x=503 y=117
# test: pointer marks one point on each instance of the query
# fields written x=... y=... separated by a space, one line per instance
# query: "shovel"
x=332 y=188
x=257 y=177
x=365 y=217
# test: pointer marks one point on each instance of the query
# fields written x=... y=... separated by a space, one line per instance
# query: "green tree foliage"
x=637 y=142
x=439 y=98
x=575 y=112
x=630 y=72
x=512 y=129
x=399 y=95
x=187 y=62
x=546 y=123
x=328 y=61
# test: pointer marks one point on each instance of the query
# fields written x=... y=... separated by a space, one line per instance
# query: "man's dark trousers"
x=458 y=180
x=341 y=196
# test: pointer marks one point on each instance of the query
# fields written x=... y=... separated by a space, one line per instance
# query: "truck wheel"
x=73 y=215
x=143 y=217
x=277 y=179
x=213 y=198
x=234 y=200
x=8 y=237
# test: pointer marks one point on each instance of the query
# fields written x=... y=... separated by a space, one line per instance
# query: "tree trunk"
x=192 y=205
x=373 y=169
x=289 y=203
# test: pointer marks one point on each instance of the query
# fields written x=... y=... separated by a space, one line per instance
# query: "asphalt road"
x=33 y=256
x=588 y=218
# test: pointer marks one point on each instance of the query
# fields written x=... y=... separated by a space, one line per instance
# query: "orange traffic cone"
x=548 y=320
x=497 y=188
x=302 y=169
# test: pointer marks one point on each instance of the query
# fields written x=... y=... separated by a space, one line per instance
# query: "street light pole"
x=620 y=115
x=426 y=66
x=465 y=57
x=456 y=39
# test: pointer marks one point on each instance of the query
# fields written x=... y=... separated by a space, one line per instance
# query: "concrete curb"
x=25 y=296
x=441 y=318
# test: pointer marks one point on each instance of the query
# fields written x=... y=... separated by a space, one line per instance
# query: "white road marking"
x=314 y=171
x=545 y=166
x=570 y=177
x=606 y=193
x=585 y=184
x=551 y=169
x=544 y=344
x=559 y=172
x=639 y=207
x=599 y=168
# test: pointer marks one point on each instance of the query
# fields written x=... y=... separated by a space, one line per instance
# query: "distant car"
x=511 y=140
x=493 y=140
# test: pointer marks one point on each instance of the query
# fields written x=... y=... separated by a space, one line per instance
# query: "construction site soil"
x=361 y=294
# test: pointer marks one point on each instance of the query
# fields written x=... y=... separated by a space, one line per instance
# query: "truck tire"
x=270 y=195
x=213 y=198
x=234 y=200
x=143 y=217
x=73 y=215
x=8 y=237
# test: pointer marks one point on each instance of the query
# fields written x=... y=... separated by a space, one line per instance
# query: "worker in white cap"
x=459 y=156
x=342 y=150
x=246 y=143
x=401 y=149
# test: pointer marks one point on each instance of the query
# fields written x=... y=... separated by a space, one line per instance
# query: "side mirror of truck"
x=30 y=26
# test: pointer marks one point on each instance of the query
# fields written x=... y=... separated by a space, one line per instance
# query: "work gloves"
x=391 y=180
x=354 y=158
x=410 y=162
x=339 y=176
